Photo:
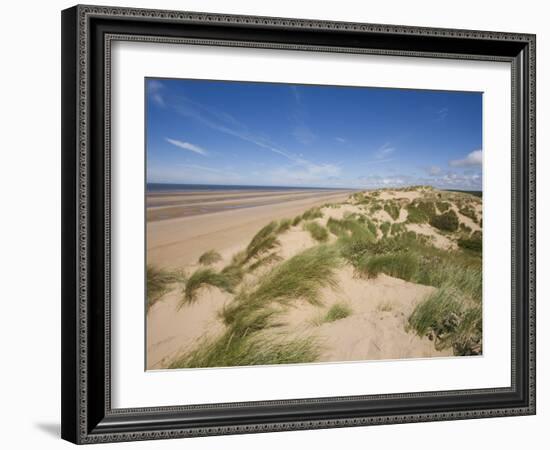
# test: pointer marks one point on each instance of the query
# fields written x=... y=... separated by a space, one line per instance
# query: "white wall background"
x=30 y=229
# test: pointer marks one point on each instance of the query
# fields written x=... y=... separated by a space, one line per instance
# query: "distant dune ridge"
x=239 y=278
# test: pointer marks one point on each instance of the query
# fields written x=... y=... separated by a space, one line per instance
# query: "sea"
x=171 y=187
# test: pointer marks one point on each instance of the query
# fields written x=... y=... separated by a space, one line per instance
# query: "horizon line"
x=313 y=187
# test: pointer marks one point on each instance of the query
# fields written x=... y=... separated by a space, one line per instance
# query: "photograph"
x=291 y=223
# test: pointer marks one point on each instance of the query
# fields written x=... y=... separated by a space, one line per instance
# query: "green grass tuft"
x=468 y=211
x=475 y=244
x=158 y=282
x=392 y=209
x=375 y=206
x=296 y=220
x=338 y=311
x=209 y=257
x=230 y=350
x=205 y=278
x=284 y=225
x=420 y=211
x=353 y=247
x=251 y=313
x=312 y=213
x=234 y=274
x=447 y=318
x=302 y=276
x=385 y=228
x=399 y=265
x=318 y=232
x=443 y=206
x=263 y=241
x=397 y=228
x=336 y=227
x=266 y=260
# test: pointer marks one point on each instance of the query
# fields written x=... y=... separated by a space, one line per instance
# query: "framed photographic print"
x=267 y=222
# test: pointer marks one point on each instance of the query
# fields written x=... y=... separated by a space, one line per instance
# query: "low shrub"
x=420 y=211
x=443 y=206
x=474 y=244
x=392 y=209
x=385 y=227
x=397 y=228
x=446 y=222
x=468 y=211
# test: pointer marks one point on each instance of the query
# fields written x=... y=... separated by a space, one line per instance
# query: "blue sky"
x=215 y=132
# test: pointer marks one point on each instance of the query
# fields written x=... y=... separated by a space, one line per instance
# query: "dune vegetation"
x=210 y=257
x=159 y=282
x=418 y=235
x=318 y=232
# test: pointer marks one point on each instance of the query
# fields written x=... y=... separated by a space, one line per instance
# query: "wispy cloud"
x=442 y=113
x=384 y=151
x=304 y=135
x=379 y=161
x=187 y=146
x=341 y=139
x=155 y=88
x=296 y=94
x=433 y=170
x=302 y=132
x=225 y=123
x=473 y=159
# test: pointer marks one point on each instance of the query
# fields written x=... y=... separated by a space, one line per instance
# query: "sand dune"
x=376 y=325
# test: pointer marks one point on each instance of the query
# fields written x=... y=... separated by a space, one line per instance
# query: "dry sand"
x=376 y=329
x=170 y=328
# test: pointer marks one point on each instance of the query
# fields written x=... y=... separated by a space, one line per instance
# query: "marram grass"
x=231 y=350
x=317 y=232
x=158 y=282
x=210 y=257
x=300 y=277
x=205 y=278
x=337 y=311
x=263 y=241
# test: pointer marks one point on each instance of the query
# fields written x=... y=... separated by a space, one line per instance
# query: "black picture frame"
x=87 y=415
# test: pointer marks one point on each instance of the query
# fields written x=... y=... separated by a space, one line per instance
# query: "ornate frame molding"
x=80 y=423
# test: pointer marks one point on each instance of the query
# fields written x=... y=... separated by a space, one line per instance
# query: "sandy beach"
x=181 y=226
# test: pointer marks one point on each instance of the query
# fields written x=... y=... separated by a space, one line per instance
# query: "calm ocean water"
x=161 y=187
